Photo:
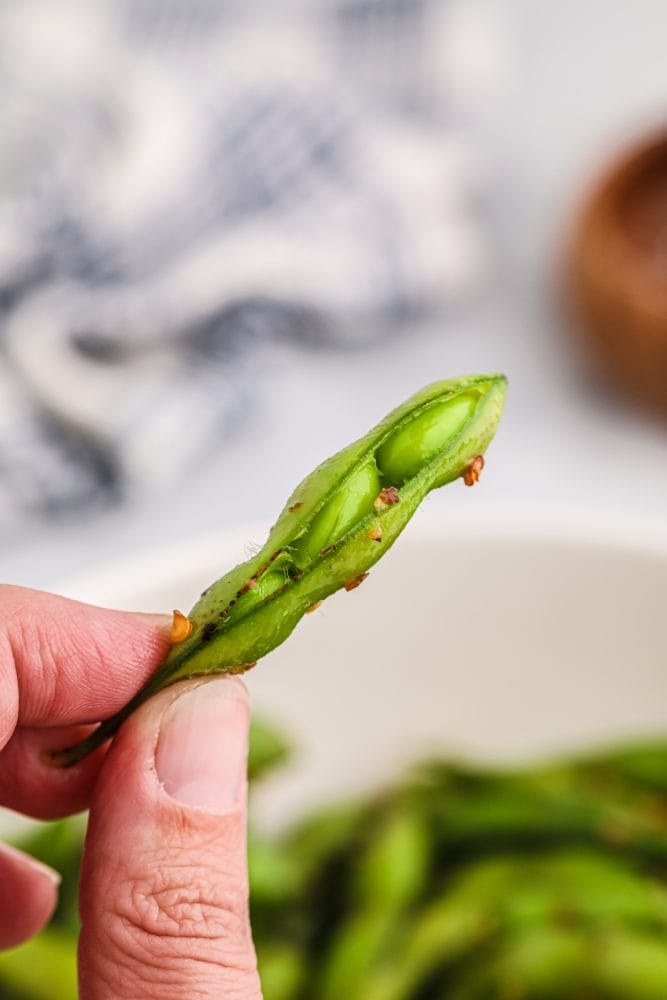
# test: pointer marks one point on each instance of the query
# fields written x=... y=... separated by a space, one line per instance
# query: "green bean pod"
x=531 y=927
x=359 y=943
x=631 y=965
x=40 y=969
x=395 y=867
x=267 y=750
x=338 y=522
x=282 y=969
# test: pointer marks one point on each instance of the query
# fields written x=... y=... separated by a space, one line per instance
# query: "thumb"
x=164 y=887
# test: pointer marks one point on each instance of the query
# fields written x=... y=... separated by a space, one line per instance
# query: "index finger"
x=63 y=662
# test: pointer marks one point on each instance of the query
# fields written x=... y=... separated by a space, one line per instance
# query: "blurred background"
x=232 y=237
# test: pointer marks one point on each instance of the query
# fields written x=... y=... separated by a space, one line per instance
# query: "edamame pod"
x=275 y=873
x=282 y=968
x=395 y=867
x=329 y=534
x=267 y=749
x=630 y=964
x=438 y=937
x=545 y=963
x=41 y=968
x=358 y=944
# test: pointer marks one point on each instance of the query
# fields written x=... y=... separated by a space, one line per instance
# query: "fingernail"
x=32 y=864
x=202 y=750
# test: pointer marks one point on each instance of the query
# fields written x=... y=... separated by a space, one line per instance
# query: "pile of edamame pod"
x=456 y=883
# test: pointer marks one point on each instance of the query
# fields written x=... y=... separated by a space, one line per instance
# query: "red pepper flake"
x=375 y=534
x=386 y=498
x=241 y=668
x=181 y=627
x=314 y=607
x=295 y=506
x=473 y=471
x=329 y=548
x=358 y=580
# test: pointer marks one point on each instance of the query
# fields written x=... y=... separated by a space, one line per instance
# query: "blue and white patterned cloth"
x=183 y=180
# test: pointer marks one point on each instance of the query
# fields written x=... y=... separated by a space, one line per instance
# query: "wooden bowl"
x=617 y=274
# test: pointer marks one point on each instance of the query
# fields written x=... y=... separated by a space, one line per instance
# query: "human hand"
x=164 y=887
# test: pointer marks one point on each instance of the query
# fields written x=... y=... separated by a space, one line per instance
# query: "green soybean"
x=353 y=501
x=408 y=449
x=257 y=591
x=332 y=530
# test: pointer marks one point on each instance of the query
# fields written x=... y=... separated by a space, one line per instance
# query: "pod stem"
x=69 y=756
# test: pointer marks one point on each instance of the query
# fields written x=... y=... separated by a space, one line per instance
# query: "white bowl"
x=496 y=635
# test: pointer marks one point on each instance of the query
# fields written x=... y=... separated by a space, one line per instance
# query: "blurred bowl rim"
x=612 y=530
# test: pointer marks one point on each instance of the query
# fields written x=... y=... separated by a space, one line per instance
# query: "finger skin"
x=63 y=663
x=69 y=662
x=30 y=784
x=164 y=890
x=29 y=892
